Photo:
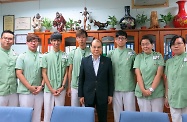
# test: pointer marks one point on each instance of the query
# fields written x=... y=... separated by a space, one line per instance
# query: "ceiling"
x=10 y=1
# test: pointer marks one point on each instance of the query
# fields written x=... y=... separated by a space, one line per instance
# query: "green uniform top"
x=8 y=82
x=122 y=63
x=148 y=65
x=56 y=64
x=30 y=64
x=176 y=72
x=74 y=58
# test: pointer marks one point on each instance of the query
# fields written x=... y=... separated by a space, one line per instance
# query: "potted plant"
x=69 y=24
x=112 y=21
x=47 y=23
x=166 y=19
x=141 y=19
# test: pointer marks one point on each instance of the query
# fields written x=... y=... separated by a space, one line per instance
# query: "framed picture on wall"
x=20 y=38
x=23 y=23
x=149 y=3
x=8 y=22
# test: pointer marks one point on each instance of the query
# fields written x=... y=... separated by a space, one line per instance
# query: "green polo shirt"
x=122 y=64
x=56 y=64
x=8 y=82
x=148 y=65
x=176 y=72
x=74 y=58
x=30 y=64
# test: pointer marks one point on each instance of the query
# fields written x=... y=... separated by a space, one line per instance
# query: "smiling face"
x=56 y=44
x=96 y=48
x=146 y=46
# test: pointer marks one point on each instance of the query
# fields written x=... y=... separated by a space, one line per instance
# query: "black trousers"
x=100 y=108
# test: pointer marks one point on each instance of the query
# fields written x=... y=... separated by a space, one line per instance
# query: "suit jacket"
x=101 y=85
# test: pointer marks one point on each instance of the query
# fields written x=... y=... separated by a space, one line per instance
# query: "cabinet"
x=106 y=36
x=161 y=36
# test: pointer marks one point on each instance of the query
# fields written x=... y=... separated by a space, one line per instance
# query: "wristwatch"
x=151 y=89
x=42 y=87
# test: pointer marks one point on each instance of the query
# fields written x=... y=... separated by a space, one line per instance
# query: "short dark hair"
x=173 y=39
x=81 y=32
x=148 y=38
x=121 y=33
x=32 y=36
x=7 y=31
x=56 y=35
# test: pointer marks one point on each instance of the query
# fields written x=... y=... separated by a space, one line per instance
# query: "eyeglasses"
x=33 y=41
x=121 y=38
x=6 y=38
x=177 y=44
x=145 y=44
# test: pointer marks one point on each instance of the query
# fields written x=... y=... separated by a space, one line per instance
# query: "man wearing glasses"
x=29 y=72
x=124 y=82
x=8 y=84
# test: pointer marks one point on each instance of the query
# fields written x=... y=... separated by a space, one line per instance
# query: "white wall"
x=100 y=10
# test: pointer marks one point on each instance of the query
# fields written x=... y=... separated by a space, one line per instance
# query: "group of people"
x=93 y=80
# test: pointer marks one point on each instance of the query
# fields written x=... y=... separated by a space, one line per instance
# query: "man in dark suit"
x=96 y=83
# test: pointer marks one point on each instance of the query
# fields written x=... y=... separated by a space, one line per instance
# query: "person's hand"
x=55 y=92
x=82 y=100
x=33 y=89
x=38 y=89
x=69 y=92
x=109 y=99
x=166 y=102
x=60 y=89
x=146 y=93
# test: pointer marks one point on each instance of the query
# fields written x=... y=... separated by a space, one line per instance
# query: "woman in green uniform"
x=176 y=83
x=149 y=70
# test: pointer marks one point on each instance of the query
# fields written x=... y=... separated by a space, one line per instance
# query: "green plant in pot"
x=69 y=24
x=166 y=19
x=47 y=23
x=112 y=21
x=141 y=19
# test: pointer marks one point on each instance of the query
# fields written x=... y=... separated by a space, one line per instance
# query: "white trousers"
x=9 y=100
x=176 y=113
x=123 y=101
x=49 y=101
x=154 y=105
x=34 y=101
x=74 y=97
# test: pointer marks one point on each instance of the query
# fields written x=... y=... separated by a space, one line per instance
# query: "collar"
x=96 y=59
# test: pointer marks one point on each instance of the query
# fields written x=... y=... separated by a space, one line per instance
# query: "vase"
x=127 y=22
x=180 y=20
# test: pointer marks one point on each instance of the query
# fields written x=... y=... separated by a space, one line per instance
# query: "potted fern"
x=69 y=24
x=47 y=23
x=141 y=19
x=166 y=19
x=112 y=21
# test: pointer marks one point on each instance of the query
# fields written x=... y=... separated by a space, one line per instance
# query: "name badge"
x=156 y=57
x=40 y=55
x=185 y=59
x=130 y=53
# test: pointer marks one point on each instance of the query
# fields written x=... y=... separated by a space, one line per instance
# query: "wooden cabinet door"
x=42 y=43
x=69 y=39
x=108 y=39
x=91 y=37
x=132 y=41
x=184 y=35
x=165 y=38
x=154 y=34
